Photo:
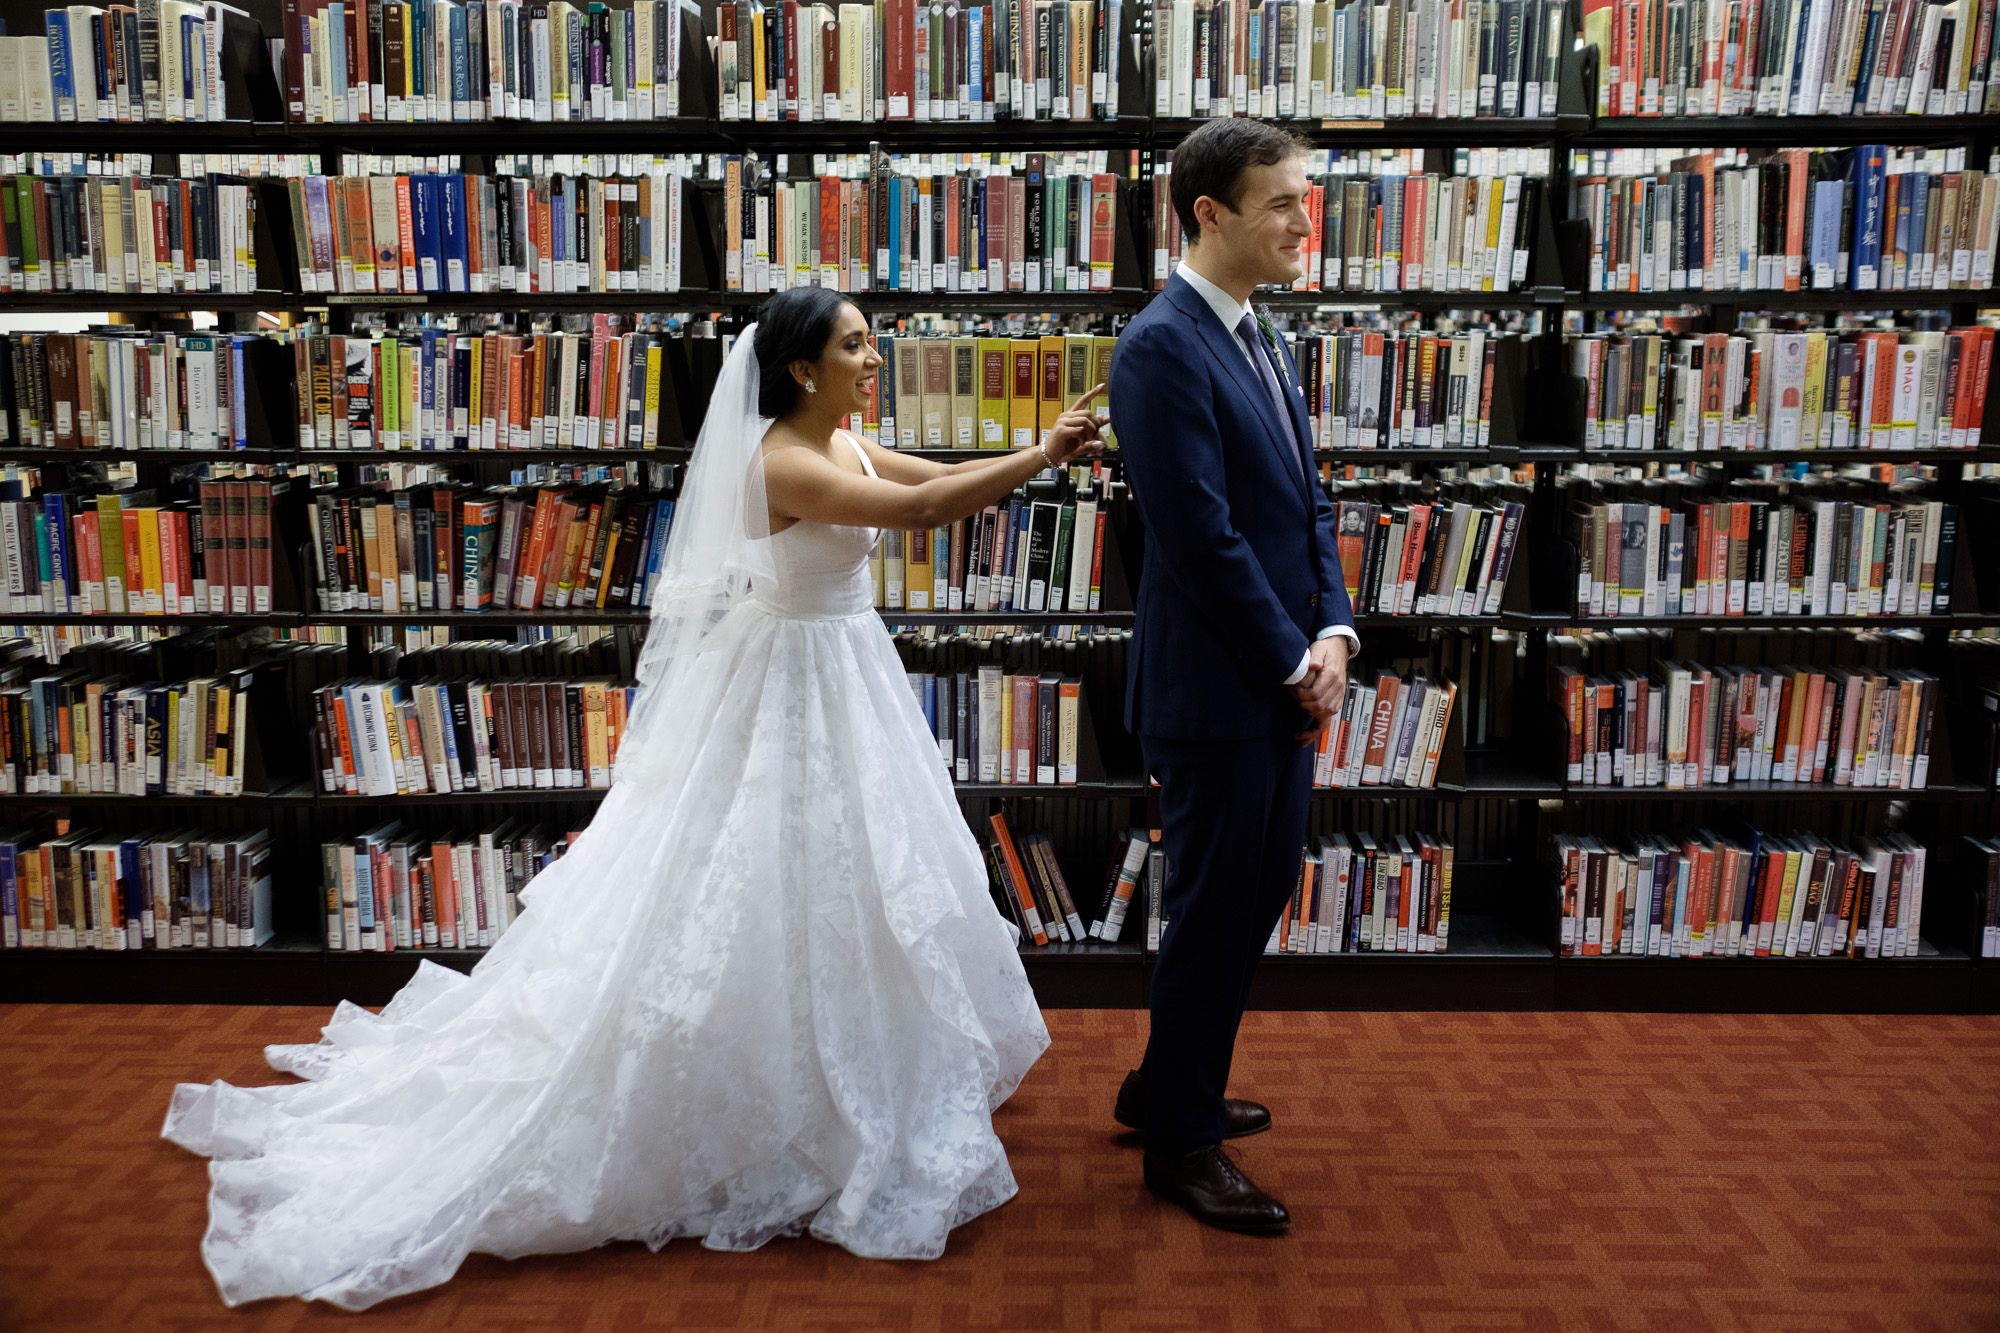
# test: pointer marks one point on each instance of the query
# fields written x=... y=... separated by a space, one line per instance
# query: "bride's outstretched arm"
x=800 y=483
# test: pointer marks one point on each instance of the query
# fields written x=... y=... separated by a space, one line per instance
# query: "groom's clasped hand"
x=1320 y=690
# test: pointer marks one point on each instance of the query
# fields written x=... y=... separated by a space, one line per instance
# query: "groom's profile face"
x=1265 y=234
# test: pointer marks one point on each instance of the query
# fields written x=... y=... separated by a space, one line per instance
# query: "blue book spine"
x=336 y=40
x=62 y=79
x=663 y=522
x=895 y=238
x=417 y=46
x=928 y=697
x=10 y=895
x=156 y=741
x=1920 y=217
x=885 y=387
x=138 y=909
x=364 y=889
x=1697 y=227
x=451 y=218
x=193 y=32
x=424 y=233
x=975 y=64
x=1009 y=551
x=992 y=275
x=1865 y=80
x=61 y=568
x=44 y=559
x=461 y=77
x=239 y=425
x=559 y=224
x=1827 y=199
x=1798 y=72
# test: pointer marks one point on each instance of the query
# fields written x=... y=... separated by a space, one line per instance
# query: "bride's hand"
x=1078 y=433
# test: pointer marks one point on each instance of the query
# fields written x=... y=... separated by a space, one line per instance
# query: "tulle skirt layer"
x=765 y=992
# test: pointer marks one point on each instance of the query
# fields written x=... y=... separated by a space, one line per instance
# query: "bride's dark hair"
x=792 y=326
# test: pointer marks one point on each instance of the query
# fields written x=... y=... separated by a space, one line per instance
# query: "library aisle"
x=1548 y=1171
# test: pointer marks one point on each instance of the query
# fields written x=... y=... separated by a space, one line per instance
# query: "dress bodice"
x=822 y=567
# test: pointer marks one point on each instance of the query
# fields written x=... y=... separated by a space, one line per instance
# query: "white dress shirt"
x=1231 y=312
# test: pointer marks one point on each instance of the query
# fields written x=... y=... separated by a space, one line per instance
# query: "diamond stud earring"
x=811 y=387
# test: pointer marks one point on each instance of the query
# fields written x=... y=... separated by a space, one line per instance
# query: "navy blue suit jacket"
x=1241 y=567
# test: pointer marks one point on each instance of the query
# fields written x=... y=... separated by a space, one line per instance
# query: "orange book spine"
x=526 y=585
x=1010 y=858
x=444 y=889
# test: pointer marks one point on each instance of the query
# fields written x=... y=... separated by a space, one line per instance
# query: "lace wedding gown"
x=767 y=996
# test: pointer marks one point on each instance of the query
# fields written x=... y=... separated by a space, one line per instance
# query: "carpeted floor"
x=1459 y=1172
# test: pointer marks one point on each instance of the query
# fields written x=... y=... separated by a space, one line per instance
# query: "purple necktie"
x=1260 y=356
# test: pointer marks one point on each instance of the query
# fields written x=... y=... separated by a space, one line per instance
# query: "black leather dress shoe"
x=1240 y=1119
x=1211 y=1187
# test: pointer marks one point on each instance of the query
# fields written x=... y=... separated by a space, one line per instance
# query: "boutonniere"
x=1271 y=342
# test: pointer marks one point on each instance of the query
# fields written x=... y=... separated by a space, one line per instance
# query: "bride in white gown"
x=765 y=992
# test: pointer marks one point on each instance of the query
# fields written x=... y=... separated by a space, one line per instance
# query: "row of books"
x=393 y=887
x=404 y=61
x=162 y=60
x=1443 y=558
x=1744 y=557
x=905 y=60
x=1818 y=389
x=987 y=228
x=1028 y=885
x=967 y=392
x=134 y=553
x=1792 y=57
x=1357 y=61
x=163 y=889
x=128 y=234
x=1685 y=725
x=1360 y=895
x=1396 y=232
x=1865 y=219
x=128 y=390
x=1387 y=732
x=1040 y=552
x=1700 y=893
x=433 y=390
x=1388 y=390
x=452 y=232
x=72 y=731
x=404 y=738
x=996 y=717
x=461 y=548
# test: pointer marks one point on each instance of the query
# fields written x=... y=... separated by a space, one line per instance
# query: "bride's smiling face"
x=844 y=375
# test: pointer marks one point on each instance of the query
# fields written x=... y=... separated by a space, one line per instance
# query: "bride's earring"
x=811 y=387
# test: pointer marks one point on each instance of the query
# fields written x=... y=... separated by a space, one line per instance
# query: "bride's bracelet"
x=1044 y=447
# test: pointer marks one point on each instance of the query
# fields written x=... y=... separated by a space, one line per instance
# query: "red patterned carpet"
x=1460 y=1172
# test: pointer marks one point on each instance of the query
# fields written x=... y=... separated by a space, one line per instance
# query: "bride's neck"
x=815 y=426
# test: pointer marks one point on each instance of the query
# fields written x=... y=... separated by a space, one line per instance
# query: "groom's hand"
x=1320 y=691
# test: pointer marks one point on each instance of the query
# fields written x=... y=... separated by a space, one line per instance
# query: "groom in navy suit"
x=1242 y=641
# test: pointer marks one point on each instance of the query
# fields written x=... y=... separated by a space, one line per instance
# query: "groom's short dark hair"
x=1211 y=161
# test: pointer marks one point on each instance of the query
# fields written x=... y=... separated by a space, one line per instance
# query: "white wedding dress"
x=767 y=996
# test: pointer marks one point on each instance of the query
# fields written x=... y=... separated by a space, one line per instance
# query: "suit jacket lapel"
x=1222 y=345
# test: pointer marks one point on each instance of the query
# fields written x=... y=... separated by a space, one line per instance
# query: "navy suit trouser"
x=1233 y=824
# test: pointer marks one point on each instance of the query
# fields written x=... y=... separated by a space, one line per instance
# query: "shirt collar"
x=1226 y=307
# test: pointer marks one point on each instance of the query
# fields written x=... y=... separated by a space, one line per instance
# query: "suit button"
x=1313 y=600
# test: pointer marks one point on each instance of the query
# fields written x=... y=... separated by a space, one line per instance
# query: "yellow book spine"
x=149 y=562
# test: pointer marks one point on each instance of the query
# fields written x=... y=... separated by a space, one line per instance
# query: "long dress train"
x=766 y=995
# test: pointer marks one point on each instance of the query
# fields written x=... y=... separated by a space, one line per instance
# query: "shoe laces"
x=1226 y=1158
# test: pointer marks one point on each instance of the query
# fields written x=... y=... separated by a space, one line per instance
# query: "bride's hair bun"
x=794 y=325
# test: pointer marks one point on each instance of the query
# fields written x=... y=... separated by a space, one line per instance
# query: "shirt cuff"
x=1305 y=663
